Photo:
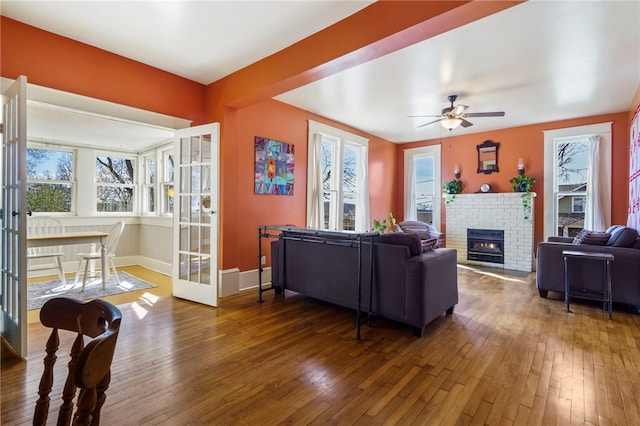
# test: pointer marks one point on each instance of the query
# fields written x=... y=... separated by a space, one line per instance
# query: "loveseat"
x=618 y=240
x=409 y=286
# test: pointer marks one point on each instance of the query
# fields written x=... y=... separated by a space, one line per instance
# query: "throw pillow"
x=422 y=233
x=411 y=240
x=622 y=236
x=428 y=245
x=592 y=238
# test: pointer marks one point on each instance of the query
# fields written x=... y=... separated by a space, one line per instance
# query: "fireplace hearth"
x=485 y=245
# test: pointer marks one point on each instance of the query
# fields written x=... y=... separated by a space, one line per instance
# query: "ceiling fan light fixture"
x=450 y=123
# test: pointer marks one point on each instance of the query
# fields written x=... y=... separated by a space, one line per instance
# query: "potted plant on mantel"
x=451 y=188
x=523 y=183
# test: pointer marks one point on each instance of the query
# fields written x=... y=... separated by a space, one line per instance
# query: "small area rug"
x=38 y=293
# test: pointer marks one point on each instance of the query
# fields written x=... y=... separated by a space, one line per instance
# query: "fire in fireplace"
x=485 y=245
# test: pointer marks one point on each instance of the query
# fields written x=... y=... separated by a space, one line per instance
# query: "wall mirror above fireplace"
x=488 y=157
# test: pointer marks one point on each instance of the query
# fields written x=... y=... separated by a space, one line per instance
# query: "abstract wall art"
x=274 y=167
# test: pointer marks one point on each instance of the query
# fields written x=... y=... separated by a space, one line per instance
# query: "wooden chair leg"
x=113 y=267
x=101 y=396
x=86 y=403
x=46 y=381
x=60 y=270
x=86 y=269
x=78 y=272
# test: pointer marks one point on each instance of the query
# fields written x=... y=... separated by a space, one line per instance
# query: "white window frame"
x=135 y=186
x=147 y=185
x=409 y=155
x=73 y=181
x=551 y=138
x=164 y=182
x=341 y=139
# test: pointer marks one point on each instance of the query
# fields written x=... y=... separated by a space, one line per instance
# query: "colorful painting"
x=274 y=167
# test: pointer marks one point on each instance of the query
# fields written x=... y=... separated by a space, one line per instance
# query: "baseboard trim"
x=249 y=279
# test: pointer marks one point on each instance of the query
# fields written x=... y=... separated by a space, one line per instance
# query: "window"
x=572 y=169
x=337 y=195
x=577 y=204
x=49 y=180
x=167 y=181
x=149 y=185
x=422 y=184
x=115 y=184
x=577 y=179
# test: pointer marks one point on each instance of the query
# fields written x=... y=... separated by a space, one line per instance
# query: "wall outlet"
x=263 y=260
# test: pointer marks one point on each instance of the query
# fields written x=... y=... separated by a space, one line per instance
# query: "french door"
x=195 y=251
x=13 y=287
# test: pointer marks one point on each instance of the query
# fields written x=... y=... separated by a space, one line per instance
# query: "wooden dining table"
x=70 y=238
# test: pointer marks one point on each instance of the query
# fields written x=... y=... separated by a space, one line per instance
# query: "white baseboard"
x=249 y=279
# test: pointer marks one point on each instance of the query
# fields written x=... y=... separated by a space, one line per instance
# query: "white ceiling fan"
x=454 y=116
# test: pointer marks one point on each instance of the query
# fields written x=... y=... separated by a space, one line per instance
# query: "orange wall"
x=275 y=120
x=526 y=142
x=58 y=62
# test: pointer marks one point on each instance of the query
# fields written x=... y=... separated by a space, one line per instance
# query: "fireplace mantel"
x=497 y=210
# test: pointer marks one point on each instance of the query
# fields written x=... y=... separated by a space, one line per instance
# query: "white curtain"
x=594 y=211
x=410 y=207
x=315 y=210
x=362 y=214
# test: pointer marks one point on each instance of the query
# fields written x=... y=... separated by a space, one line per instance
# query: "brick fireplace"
x=497 y=212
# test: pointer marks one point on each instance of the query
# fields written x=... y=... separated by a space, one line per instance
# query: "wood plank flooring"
x=505 y=357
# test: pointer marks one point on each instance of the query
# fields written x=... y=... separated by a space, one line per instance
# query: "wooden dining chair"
x=43 y=225
x=89 y=368
x=112 y=242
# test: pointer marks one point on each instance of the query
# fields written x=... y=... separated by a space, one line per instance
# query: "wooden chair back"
x=89 y=368
x=115 y=232
x=43 y=225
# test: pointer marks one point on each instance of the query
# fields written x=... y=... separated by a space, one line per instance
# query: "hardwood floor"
x=505 y=356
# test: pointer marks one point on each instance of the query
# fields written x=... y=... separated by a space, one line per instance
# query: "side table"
x=605 y=294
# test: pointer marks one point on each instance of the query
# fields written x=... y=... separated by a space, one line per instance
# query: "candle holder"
x=456 y=171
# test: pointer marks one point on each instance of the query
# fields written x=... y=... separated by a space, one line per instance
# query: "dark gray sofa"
x=409 y=286
x=625 y=270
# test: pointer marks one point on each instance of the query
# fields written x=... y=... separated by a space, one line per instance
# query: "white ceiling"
x=539 y=61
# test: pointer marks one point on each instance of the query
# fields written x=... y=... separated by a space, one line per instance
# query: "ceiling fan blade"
x=421 y=116
x=459 y=109
x=431 y=122
x=485 y=114
x=466 y=123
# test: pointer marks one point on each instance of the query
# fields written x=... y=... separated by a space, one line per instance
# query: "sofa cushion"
x=595 y=238
x=622 y=236
x=428 y=245
x=411 y=240
x=636 y=244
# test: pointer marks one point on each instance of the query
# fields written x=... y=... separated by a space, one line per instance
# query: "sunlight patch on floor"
x=504 y=277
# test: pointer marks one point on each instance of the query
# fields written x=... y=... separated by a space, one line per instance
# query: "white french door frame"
x=13 y=287
x=195 y=214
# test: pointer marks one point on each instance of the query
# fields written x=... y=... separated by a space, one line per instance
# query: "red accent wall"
x=58 y=62
x=526 y=142
x=275 y=120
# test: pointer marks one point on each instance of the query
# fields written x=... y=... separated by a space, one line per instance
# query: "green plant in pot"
x=451 y=188
x=387 y=224
x=523 y=183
